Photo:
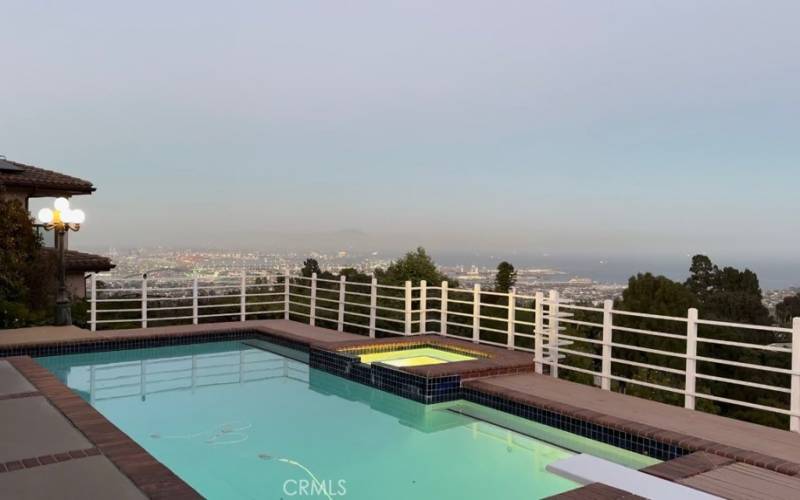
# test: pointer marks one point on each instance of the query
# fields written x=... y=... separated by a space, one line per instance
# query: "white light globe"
x=45 y=216
x=78 y=216
x=61 y=204
x=66 y=216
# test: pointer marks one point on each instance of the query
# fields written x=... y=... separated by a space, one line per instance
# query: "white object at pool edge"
x=585 y=469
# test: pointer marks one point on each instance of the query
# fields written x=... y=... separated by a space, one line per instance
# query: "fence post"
x=342 y=297
x=408 y=310
x=476 y=313
x=794 y=405
x=691 y=361
x=286 y=297
x=552 y=341
x=423 y=306
x=538 y=332
x=243 y=297
x=312 y=306
x=194 y=301
x=144 y=301
x=443 y=309
x=373 y=305
x=512 y=317
x=93 y=303
x=608 y=329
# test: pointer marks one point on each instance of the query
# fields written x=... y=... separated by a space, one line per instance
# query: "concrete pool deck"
x=42 y=453
x=742 y=454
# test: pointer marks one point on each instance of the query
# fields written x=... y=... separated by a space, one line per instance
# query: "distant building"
x=23 y=182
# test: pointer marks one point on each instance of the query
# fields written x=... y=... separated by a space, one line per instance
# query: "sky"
x=647 y=128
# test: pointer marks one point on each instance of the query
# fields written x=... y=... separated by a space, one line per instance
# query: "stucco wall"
x=76 y=285
x=22 y=196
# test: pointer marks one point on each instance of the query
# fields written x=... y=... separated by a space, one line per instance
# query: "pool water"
x=235 y=421
x=415 y=357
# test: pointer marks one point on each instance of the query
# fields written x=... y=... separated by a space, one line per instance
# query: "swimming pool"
x=235 y=421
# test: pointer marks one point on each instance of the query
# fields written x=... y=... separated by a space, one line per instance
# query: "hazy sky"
x=638 y=127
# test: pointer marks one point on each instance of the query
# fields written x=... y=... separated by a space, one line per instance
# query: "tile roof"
x=20 y=175
x=81 y=261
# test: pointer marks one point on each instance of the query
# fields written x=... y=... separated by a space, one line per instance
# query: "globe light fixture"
x=61 y=204
x=63 y=218
x=60 y=219
x=45 y=216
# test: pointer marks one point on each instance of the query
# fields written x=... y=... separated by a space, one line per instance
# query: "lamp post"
x=60 y=220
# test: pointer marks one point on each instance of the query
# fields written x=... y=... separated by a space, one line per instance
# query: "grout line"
x=20 y=395
x=30 y=463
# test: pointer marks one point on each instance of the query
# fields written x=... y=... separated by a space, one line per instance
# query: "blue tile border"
x=626 y=440
x=419 y=388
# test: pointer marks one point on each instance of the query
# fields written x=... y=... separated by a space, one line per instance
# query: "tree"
x=731 y=279
x=505 y=278
x=656 y=295
x=414 y=266
x=704 y=277
x=310 y=266
x=353 y=275
x=788 y=309
x=27 y=275
x=726 y=294
x=660 y=296
x=19 y=245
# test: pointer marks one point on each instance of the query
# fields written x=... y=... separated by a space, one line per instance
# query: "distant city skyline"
x=773 y=274
x=645 y=130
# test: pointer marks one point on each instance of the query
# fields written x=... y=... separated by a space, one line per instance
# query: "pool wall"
x=562 y=418
x=419 y=388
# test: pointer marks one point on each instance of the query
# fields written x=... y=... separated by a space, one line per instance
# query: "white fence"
x=694 y=359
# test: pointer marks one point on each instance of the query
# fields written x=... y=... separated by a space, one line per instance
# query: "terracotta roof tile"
x=81 y=261
x=39 y=178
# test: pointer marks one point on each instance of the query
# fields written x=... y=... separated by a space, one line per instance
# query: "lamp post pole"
x=61 y=220
x=63 y=309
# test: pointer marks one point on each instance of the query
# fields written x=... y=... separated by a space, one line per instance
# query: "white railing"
x=689 y=358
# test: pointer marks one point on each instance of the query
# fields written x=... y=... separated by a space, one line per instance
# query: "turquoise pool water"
x=239 y=422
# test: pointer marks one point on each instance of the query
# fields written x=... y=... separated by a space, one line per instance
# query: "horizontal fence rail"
x=722 y=367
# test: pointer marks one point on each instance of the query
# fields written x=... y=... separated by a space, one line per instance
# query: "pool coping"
x=151 y=477
x=489 y=360
x=569 y=417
